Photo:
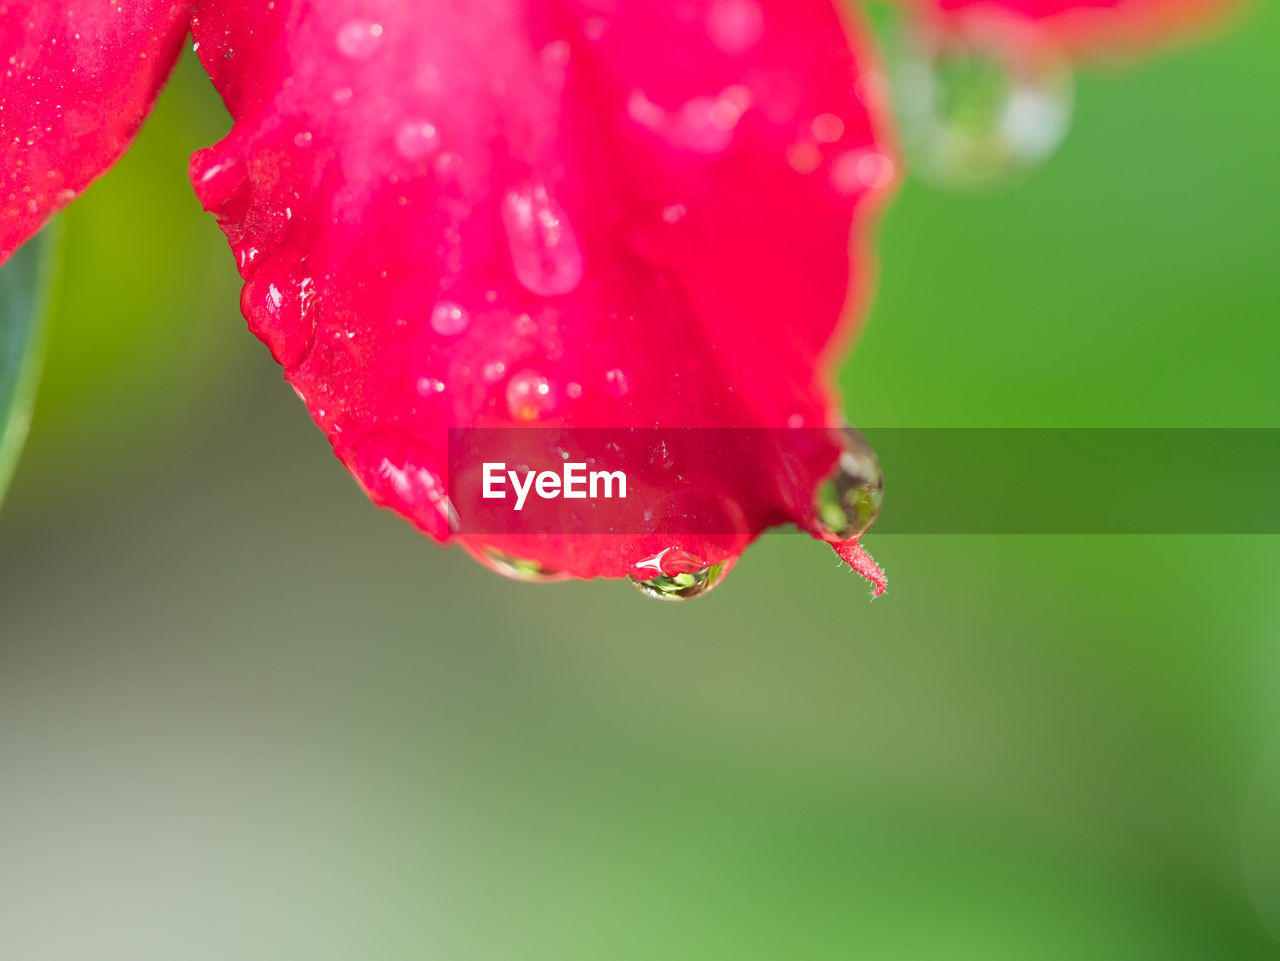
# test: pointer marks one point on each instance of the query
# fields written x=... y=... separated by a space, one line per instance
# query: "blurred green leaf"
x=25 y=281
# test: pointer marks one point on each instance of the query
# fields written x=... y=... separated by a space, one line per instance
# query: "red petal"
x=79 y=78
x=1079 y=27
x=567 y=213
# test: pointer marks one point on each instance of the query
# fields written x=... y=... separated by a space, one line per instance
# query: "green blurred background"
x=244 y=715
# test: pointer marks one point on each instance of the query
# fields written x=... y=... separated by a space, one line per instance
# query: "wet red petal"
x=77 y=81
x=1082 y=28
x=546 y=213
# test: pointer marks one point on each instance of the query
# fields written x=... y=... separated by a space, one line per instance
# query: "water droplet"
x=804 y=157
x=678 y=586
x=222 y=185
x=827 y=128
x=528 y=396
x=573 y=390
x=416 y=139
x=359 y=39
x=674 y=213
x=302 y=139
x=861 y=171
x=735 y=26
x=392 y=469
x=448 y=319
x=615 y=383
x=519 y=568
x=430 y=386
x=970 y=117
x=544 y=247
x=278 y=302
x=702 y=124
x=493 y=372
x=342 y=96
x=848 y=502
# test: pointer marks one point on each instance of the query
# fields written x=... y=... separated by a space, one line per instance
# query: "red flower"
x=495 y=213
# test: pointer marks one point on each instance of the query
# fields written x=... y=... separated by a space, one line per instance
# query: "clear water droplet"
x=682 y=586
x=417 y=139
x=848 y=502
x=519 y=568
x=544 y=247
x=971 y=117
x=529 y=396
x=359 y=39
x=449 y=319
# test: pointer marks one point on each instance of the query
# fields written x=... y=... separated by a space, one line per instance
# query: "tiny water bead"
x=848 y=502
x=969 y=117
x=519 y=568
x=683 y=587
x=545 y=252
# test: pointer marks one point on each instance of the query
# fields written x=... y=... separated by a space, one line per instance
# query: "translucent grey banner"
x=936 y=480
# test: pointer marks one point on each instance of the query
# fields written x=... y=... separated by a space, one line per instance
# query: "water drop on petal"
x=359 y=39
x=278 y=302
x=528 y=396
x=416 y=139
x=449 y=319
x=544 y=246
x=735 y=26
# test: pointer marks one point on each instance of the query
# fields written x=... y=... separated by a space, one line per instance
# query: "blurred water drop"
x=544 y=246
x=528 y=396
x=519 y=568
x=735 y=26
x=359 y=39
x=416 y=139
x=449 y=319
x=970 y=116
x=848 y=502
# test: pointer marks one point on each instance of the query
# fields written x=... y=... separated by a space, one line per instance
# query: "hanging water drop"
x=519 y=568
x=970 y=116
x=683 y=586
x=848 y=502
